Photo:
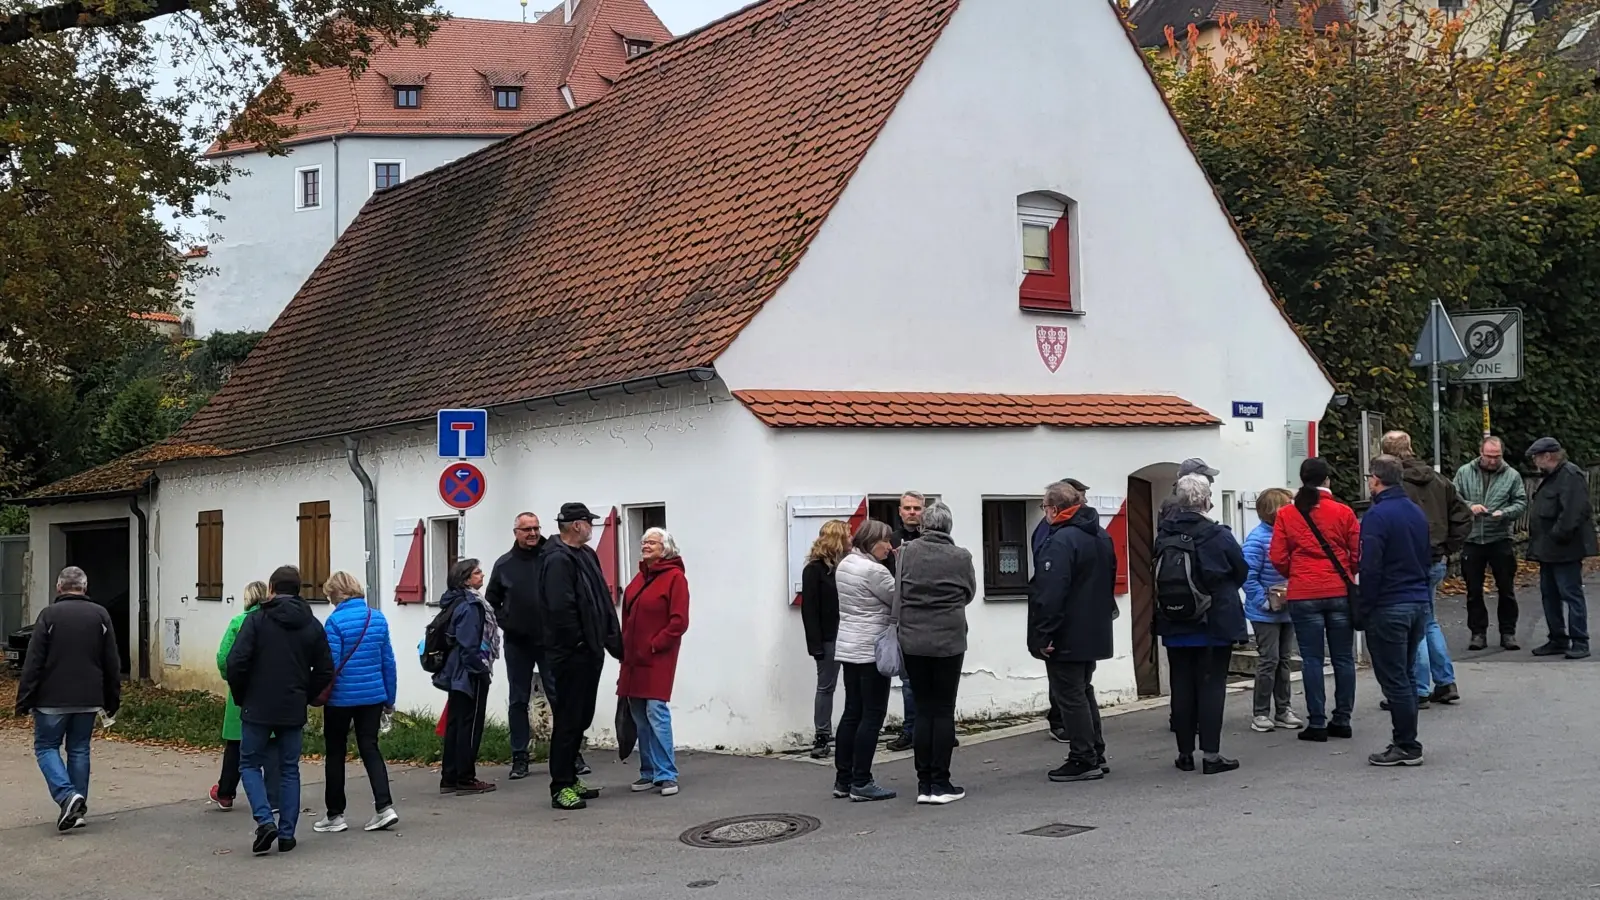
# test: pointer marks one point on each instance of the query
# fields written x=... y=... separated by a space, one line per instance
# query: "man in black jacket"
x=72 y=672
x=1071 y=603
x=279 y=663
x=912 y=504
x=1560 y=537
x=513 y=592
x=580 y=627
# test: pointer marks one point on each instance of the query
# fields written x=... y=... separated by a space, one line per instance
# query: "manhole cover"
x=749 y=831
x=1058 y=830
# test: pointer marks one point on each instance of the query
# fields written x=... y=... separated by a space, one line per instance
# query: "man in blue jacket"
x=1396 y=599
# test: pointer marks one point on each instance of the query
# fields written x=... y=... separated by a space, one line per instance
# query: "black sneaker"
x=1059 y=735
x=447 y=787
x=72 y=811
x=1218 y=766
x=1073 y=770
x=1105 y=768
x=266 y=836
x=1422 y=703
x=286 y=844
x=1551 y=648
x=1445 y=693
x=567 y=799
x=1394 y=756
x=1184 y=762
x=822 y=746
x=1319 y=735
x=1578 y=651
x=583 y=767
x=902 y=742
x=1509 y=642
x=940 y=794
x=519 y=766
x=1480 y=641
x=1340 y=731
x=841 y=790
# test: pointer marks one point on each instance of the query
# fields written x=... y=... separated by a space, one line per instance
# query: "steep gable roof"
x=1151 y=18
x=631 y=238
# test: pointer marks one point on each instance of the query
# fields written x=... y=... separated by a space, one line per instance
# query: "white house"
x=808 y=257
x=475 y=82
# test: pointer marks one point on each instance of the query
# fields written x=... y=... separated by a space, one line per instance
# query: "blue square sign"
x=463 y=433
x=1248 y=409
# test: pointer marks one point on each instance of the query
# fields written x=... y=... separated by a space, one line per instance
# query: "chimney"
x=569 y=5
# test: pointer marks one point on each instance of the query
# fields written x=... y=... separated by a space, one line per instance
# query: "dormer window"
x=407 y=87
x=507 y=97
x=407 y=97
x=505 y=85
x=637 y=47
x=1045 y=237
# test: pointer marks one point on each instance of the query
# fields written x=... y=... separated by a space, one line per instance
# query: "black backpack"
x=436 y=642
x=1179 y=597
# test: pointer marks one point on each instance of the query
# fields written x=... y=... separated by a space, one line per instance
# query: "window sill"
x=1050 y=311
x=209 y=599
x=1004 y=595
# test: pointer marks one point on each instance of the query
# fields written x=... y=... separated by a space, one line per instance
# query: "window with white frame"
x=308 y=187
x=640 y=518
x=444 y=535
x=1044 y=229
x=386 y=173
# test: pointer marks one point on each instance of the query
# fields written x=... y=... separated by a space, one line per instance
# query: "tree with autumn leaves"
x=1372 y=171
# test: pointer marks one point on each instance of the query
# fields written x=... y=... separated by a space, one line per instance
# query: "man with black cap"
x=1194 y=465
x=580 y=627
x=1560 y=536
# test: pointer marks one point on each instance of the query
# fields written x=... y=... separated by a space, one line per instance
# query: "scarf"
x=491 y=630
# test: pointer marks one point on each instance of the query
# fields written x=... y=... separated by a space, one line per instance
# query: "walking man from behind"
x=1495 y=494
x=1396 y=601
x=72 y=672
x=513 y=593
x=912 y=504
x=1070 y=607
x=279 y=663
x=580 y=628
x=1449 y=521
x=1560 y=537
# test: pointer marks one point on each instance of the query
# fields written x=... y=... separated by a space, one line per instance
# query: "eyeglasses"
x=528 y=529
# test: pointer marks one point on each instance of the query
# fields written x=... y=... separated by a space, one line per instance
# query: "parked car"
x=17 y=646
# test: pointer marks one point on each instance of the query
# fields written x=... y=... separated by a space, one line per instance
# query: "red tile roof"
x=169 y=318
x=122 y=475
x=631 y=238
x=454 y=67
x=882 y=409
x=1151 y=18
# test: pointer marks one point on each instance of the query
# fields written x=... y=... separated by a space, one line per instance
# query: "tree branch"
x=18 y=27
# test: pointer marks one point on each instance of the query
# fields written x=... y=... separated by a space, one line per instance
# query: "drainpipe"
x=335 y=187
x=144 y=579
x=369 y=517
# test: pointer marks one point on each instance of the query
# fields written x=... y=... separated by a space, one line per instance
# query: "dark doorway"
x=101 y=551
x=1141 y=589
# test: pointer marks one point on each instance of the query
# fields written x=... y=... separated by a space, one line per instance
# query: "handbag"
x=322 y=698
x=627 y=730
x=1358 y=616
x=886 y=650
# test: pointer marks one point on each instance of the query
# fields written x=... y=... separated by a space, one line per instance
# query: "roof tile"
x=883 y=409
x=125 y=473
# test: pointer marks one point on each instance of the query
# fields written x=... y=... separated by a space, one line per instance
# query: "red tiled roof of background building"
x=456 y=97
x=631 y=238
x=1151 y=18
x=169 y=318
x=884 y=409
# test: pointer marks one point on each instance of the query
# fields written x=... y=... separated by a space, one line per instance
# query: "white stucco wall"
x=263 y=248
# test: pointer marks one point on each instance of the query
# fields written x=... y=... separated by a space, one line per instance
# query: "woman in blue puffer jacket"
x=362 y=694
x=1275 y=641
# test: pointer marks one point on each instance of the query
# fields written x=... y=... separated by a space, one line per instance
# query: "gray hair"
x=937 y=517
x=72 y=580
x=917 y=494
x=1062 y=495
x=669 y=547
x=1193 y=493
x=1387 y=469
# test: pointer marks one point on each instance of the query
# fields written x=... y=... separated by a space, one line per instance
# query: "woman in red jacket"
x=1318 y=594
x=655 y=614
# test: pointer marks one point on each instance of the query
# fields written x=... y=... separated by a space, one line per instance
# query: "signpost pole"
x=461 y=534
x=1486 y=430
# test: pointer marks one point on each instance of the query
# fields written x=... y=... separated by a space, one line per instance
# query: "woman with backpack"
x=362 y=693
x=473 y=644
x=1199 y=569
x=227 y=786
x=1316 y=544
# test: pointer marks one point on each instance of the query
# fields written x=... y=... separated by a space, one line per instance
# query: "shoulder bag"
x=886 y=652
x=322 y=698
x=1358 y=615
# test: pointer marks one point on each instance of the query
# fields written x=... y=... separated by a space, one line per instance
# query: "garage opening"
x=100 y=549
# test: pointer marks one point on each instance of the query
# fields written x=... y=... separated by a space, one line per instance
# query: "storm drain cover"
x=1058 y=830
x=750 y=831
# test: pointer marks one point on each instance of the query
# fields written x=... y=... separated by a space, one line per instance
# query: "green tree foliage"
x=1374 y=171
x=135 y=419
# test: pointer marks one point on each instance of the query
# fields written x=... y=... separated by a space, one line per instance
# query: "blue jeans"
x=521 y=661
x=255 y=743
x=654 y=721
x=1566 y=611
x=1314 y=622
x=70 y=776
x=1394 y=637
x=1433 y=666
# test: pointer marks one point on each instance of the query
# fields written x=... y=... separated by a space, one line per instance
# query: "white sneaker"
x=924 y=799
x=330 y=824
x=1287 y=719
x=1261 y=723
x=382 y=820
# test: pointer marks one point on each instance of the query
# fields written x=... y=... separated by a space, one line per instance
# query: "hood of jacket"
x=456 y=595
x=61 y=597
x=1083 y=517
x=1191 y=523
x=291 y=613
x=1416 y=471
x=661 y=565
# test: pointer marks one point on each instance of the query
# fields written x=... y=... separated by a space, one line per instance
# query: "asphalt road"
x=1503 y=808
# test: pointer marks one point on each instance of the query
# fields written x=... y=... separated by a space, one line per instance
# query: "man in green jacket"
x=1496 y=494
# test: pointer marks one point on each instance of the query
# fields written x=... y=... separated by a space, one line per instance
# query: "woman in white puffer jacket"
x=866 y=598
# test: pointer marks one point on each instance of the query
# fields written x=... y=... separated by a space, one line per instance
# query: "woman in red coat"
x=655 y=614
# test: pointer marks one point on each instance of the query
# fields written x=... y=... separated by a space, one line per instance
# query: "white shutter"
x=403 y=530
x=806 y=517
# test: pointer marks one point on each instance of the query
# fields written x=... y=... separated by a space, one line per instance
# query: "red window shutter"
x=607 y=551
x=1052 y=290
x=1118 y=529
x=856 y=521
x=411 y=588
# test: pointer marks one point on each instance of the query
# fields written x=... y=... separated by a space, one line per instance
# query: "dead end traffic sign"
x=462 y=486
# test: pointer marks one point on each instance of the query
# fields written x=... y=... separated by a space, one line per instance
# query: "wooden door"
x=1141 y=586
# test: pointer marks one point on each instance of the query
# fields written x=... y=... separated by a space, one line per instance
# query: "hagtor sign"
x=1493 y=340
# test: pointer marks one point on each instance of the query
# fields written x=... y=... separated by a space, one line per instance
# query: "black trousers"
x=572 y=712
x=336 y=724
x=1199 y=677
x=1499 y=558
x=1076 y=711
x=935 y=680
x=866 y=702
x=463 y=733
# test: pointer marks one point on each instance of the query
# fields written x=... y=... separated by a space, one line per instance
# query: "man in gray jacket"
x=1497 y=498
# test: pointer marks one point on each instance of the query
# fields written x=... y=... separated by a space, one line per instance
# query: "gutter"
x=53 y=499
x=144 y=575
x=369 y=517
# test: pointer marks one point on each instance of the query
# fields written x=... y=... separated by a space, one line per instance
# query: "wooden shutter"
x=314 y=520
x=208 y=527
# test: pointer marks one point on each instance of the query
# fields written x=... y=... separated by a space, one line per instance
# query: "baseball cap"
x=575 y=512
x=1196 y=466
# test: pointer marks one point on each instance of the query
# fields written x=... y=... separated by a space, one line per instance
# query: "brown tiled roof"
x=455 y=97
x=1151 y=18
x=631 y=238
x=122 y=475
x=884 y=409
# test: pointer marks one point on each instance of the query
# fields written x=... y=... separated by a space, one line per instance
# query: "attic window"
x=407 y=97
x=637 y=47
x=1045 y=237
x=507 y=97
